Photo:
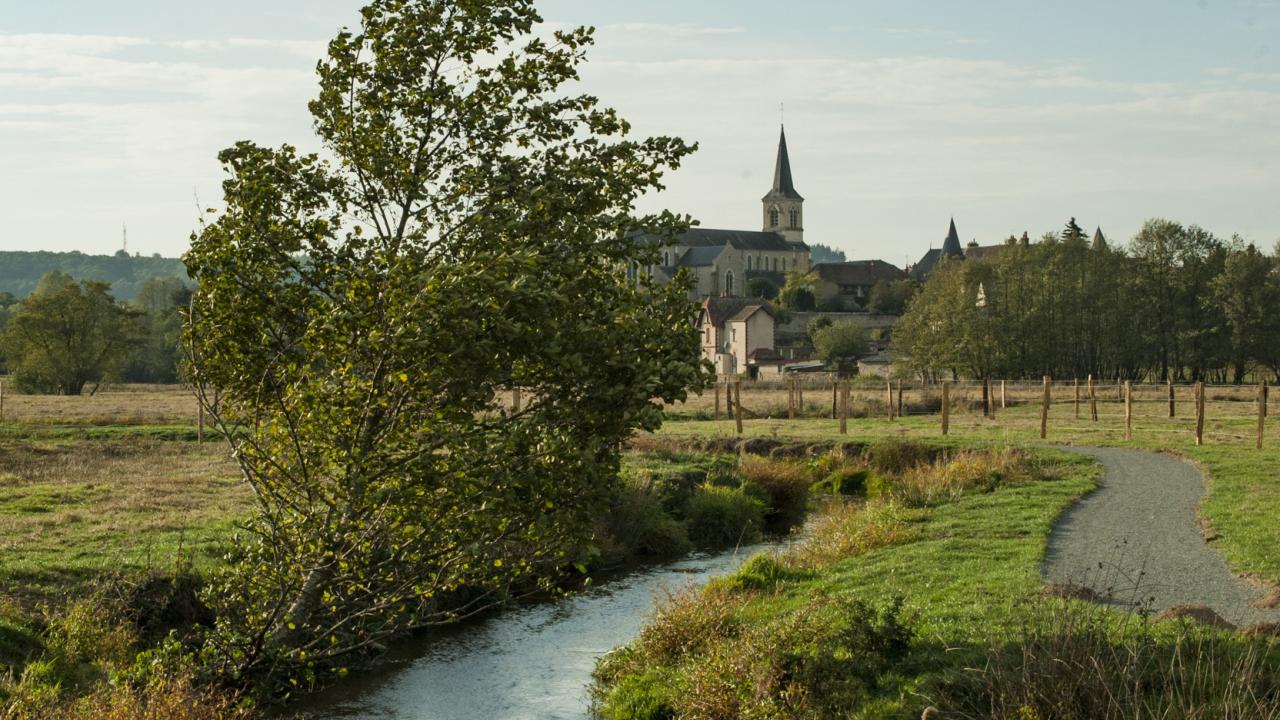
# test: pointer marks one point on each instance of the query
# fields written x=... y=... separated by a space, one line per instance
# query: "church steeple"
x=1099 y=240
x=783 y=206
x=783 y=185
x=951 y=246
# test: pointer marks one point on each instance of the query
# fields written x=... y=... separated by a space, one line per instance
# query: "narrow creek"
x=533 y=661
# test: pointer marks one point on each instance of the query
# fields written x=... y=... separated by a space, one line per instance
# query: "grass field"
x=1244 y=483
x=74 y=509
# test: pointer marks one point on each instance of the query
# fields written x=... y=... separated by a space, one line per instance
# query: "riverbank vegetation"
x=928 y=595
x=110 y=540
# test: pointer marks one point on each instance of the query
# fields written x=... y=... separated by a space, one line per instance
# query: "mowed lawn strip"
x=1243 y=498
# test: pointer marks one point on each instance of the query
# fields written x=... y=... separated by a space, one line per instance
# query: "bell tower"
x=783 y=206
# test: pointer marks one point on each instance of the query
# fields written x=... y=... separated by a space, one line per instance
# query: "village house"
x=736 y=331
x=847 y=286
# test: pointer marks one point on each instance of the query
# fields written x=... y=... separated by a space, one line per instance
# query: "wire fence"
x=1226 y=412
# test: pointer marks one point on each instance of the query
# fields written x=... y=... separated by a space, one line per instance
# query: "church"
x=723 y=262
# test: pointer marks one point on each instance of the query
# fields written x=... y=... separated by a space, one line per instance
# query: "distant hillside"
x=20 y=271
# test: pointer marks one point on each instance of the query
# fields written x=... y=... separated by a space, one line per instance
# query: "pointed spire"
x=1099 y=240
x=952 y=244
x=783 y=185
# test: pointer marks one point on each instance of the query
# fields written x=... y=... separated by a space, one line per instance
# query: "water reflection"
x=531 y=662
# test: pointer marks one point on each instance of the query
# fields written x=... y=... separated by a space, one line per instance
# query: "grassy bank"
x=1241 y=504
x=887 y=609
x=120 y=524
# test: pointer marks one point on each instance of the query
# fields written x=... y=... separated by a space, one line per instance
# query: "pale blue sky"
x=1011 y=116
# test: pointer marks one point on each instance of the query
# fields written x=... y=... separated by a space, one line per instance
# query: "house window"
x=748 y=262
x=773 y=217
x=795 y=218
x=728 y=283
x=666 y=259
x=775 y=264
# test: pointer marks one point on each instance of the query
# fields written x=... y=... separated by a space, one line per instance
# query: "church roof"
x=783 y=185
x=740 y=239
x=701 y=256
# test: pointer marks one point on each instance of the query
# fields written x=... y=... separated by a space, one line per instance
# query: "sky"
x=1008 y=115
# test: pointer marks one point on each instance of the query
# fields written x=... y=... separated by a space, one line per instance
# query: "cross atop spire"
x=783 y=185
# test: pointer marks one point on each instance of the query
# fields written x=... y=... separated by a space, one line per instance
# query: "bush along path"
x=1136 y=541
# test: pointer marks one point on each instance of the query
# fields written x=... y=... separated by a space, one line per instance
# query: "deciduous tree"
x=362 y=320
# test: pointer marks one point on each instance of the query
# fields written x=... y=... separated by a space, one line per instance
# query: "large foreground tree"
x=360 y=317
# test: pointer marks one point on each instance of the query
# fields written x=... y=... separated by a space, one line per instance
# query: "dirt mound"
x=1198 y=613
x=1069 y=591
x=1261 y=630
x=1270 y=601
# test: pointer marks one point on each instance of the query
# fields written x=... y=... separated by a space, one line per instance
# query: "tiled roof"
x=860 y=272
x=720 y=310
x=746 y=312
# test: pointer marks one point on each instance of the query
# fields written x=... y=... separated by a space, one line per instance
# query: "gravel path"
x=1137 y=539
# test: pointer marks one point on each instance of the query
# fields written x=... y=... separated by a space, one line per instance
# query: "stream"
x=530 y=662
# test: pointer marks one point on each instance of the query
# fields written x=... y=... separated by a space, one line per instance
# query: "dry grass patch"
x=117 y=405
x=72 y=510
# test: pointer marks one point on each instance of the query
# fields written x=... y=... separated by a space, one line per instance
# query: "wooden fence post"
x=888 y=388
x=946 y=407
x=716 y=385
x=799 y=397
x=737 y=403
x=844 y=408
x=1076 y=384
x=1044 y=410
x=1199 y=413
x=1004 y=397
x=1266 y=395
x=1262 y=411
x=791 y=399
x=1128 y=410
x=835 y=392
x=1173 y=409
x=986 y=398
x=1093 y=400
x=899 y=398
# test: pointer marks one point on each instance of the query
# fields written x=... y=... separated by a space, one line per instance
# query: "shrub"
x=766 y=572
x=894 y=457
x=638 y=524
x=844 y=530
x=818 y=661
x=786 y=488
x=1074 y=662
x=685 y=623
x=844 y=481
x=944 y=481
x=718 y=517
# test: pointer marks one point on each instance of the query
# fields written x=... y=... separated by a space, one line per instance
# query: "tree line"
x=1179 y=303
x=68 y=335
x=21 y=270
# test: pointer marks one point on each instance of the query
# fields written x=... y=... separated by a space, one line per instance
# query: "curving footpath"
x=1136 y=540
